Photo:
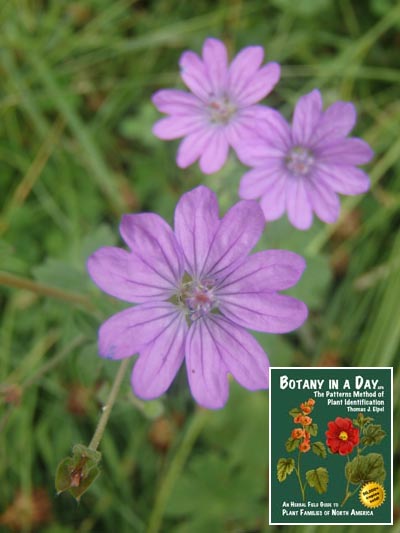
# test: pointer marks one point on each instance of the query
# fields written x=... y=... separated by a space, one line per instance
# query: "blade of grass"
x=9 y=280
x=91 y=154
x=26 y=184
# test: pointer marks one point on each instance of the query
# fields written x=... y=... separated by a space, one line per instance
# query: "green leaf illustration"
x=292 y=444
x=318 y=479
x=284 y=468
x=312 y=429
x=294 y=412
x=362 y=420
x=366 y=468
x=373 y=434
x=319 y=449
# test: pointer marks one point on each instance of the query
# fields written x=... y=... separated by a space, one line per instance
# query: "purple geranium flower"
x=196 y=290
x=300 y=169
x=221 y=110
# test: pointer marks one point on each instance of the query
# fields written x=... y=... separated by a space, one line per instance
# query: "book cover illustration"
x=330 y=432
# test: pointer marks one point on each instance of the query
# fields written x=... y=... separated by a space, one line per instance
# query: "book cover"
x=330 y=445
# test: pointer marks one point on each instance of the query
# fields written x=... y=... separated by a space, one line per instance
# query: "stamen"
x=221 y=109
x=198 y=298
x=299 y=161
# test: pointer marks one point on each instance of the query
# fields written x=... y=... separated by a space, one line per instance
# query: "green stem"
x=101 y=426
x=346 y=496
x=348 y=493
x=175 y=469
x=44 y=290
x=299 y=477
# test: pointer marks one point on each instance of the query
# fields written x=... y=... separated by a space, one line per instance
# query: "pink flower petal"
x=337 y=121
x=196 y=221
x=215 y=152
x=194 y=74
x=237 y=233
x=270 y=270
x=257 y=181
x=263 y=311
x=243 y=67
x=237 y=130
x=307 y=115
x=345 y=152
x=175 y=102
x=260 y=84
x=160 y=361
x=273 y=201
x=241 y=353
x=192 y=146
x=323 y=200
x=259 y=123
x=153 y=241
x=297 y=203
x=125 y=276
x=207 y=373
x=177 y=126
x=246 y=124
x=127 y=332
x=257 y=153
x=216 y=63
x=273 y=129
x=343 y=179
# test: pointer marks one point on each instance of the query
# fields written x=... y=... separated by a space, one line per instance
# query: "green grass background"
x=76 y=151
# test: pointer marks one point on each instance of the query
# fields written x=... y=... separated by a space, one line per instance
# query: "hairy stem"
x=107 y=408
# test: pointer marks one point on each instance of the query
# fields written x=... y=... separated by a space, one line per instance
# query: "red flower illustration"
x=342 y=436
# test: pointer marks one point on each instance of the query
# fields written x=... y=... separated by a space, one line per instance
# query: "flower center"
x=343 y=435
x=299 y=161
x=198 y=298
x=221 y=109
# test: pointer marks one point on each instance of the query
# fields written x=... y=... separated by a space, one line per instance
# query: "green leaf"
x=319 y=449
x=211 y=483
x=284 y=468
x=366 y=468
x=362 y=420
x=312 y=429
x=102 y=235
x=373 y=434
x=314 y=282
x=318 y=479
x=294 y=412
x=292 y=444
x=138 y=127
x=61 y=274
x=78 y=472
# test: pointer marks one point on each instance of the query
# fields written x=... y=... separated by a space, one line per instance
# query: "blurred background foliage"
x=76 y=151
